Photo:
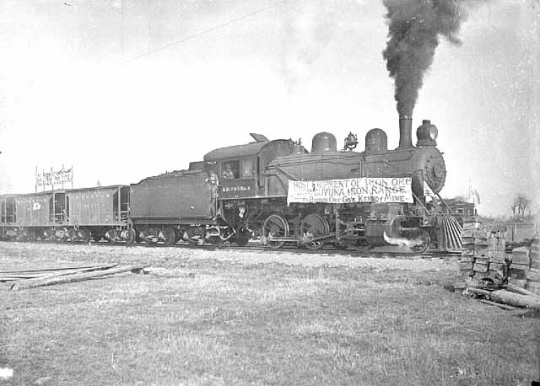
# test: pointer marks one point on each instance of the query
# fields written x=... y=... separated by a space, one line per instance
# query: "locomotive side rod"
x=296 y=240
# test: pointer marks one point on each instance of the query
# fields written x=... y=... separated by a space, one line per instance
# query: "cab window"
x=230 y=170
x=248 y=168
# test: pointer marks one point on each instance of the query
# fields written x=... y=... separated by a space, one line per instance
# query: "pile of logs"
x=487 y=272
x=44 y=277
x=510 y=298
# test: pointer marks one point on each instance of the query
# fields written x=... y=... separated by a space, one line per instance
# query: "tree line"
x=520 y=204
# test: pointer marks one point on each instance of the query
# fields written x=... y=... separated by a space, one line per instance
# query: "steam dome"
x=323 y=142
x=376 y=141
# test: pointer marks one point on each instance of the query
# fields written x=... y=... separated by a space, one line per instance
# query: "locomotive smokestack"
x=405 y=132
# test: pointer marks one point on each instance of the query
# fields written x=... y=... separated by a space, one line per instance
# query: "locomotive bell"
x=323 y=142
x=427 y=134
x=376 y=141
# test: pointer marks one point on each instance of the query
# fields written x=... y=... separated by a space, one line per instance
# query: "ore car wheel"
x=83 y=235
x=169 y=236
x=32 y=235
x=111 y=235
x=132 y=236
x=423 y=242
x=314 y=225
x=71 y=235
x=275 y=226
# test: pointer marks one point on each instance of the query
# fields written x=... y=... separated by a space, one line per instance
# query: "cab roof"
x=237 y=151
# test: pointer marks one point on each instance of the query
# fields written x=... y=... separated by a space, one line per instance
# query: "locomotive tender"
x=272 y=189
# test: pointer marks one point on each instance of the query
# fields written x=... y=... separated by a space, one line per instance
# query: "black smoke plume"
x=414 y=30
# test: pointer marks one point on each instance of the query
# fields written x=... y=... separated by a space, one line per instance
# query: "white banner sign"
x=351 y=190
x=54 y=178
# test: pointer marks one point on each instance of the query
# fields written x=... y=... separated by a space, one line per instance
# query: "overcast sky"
x=122 y=90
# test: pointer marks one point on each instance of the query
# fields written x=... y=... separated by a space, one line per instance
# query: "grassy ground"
x=245 y=318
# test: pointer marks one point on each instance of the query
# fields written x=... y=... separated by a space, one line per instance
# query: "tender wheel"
x=275 y=226
x=421 y=243
x=195 y=236
x=313 y=226
x=169 y=236
x=149 y=237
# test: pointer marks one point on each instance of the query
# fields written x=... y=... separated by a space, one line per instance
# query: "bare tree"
x=525 y=202
x=521 y=203
x=514 y=206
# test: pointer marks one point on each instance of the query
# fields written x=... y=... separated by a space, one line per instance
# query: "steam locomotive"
x=272 y=190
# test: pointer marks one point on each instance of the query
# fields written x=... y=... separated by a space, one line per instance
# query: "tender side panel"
x=172 y=196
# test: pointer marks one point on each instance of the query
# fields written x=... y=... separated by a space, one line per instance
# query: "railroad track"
x=384 y=252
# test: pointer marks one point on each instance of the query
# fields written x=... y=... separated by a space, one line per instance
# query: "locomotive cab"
x=241 y=169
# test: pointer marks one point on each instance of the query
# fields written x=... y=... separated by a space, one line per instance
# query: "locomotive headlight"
x=427 y=134
x=433 y=133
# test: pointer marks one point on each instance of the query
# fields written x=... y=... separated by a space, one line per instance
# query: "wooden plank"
x=533 y=275
x=465 y=265
x=70 y=272
x=517 y=282
x=500 y=305
x=533 y=286
x=47 y=270
x=480 y=267
x=497 y=267
x=75 y=277
x=517 y=300
x=520 y=290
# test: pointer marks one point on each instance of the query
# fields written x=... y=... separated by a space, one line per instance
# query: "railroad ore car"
x=75 y=214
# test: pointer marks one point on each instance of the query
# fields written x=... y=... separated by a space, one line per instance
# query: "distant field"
x=251 y=318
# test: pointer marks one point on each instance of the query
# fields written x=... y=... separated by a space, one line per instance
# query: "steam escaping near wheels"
x=419 y=244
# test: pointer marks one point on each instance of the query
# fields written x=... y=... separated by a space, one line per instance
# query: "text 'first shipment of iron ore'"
x=351 y=190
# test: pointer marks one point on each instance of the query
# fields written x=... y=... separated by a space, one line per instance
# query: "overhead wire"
x=175 y=43
x=204 y=32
